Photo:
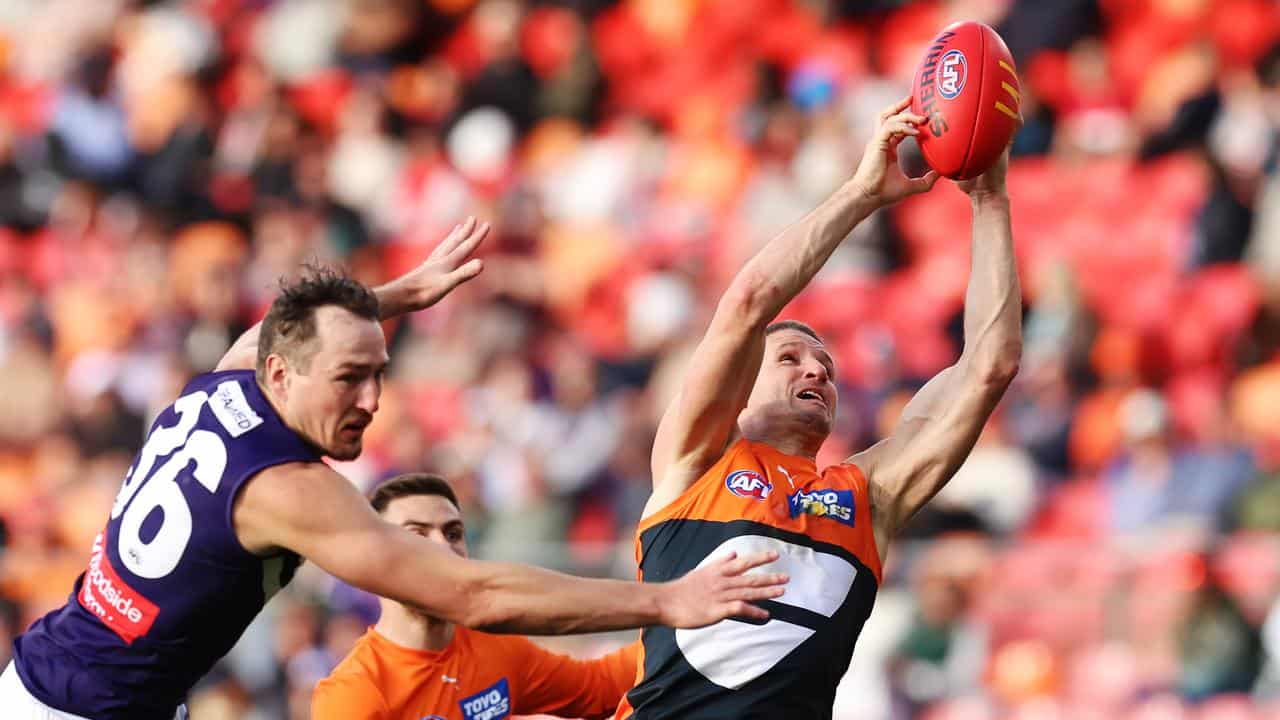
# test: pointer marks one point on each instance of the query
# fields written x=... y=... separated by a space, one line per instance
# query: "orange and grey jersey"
x=756 y=499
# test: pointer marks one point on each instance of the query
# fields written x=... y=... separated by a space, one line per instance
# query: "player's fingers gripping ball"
x=968 y=89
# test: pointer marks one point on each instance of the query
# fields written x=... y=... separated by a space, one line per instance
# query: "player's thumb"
x=925 y=182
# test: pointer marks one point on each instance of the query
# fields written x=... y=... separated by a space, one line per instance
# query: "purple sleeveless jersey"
x=169 y=589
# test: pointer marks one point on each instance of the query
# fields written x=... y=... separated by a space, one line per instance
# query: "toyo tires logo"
x=492 y=703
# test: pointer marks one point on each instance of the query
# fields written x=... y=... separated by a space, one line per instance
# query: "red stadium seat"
x=840 y=303
x=1230 y=295
x=1195 y=401
x=1248 y=566
x=1242 y=30
x=1074 y=510
x=901 y=41
x=548 y=38
x=437 y=408
x=788 y=35
x=934 y=221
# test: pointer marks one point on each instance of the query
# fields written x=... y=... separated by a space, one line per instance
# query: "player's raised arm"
x=940 y=425
x=447 y=267
x=702 y=418
x=309 y=509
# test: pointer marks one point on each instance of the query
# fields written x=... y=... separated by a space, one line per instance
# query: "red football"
x=968 y=88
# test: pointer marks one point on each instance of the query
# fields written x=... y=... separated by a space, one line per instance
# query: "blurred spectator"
x=1153 y=483
x=89 y=126
x=1257 y=507
x=944 y=652
x=997 y=482
x=1220 y=651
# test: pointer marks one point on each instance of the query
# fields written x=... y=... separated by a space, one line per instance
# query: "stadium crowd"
x=1110 y=550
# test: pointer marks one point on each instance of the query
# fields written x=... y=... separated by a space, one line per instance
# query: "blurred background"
x=1109 y=551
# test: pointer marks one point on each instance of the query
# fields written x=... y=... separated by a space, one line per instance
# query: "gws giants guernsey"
x=755 y=499
x=168 y=589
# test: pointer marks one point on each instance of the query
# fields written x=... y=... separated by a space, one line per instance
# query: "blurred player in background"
x=734 y=459
x=229 y=493
x=412 y=665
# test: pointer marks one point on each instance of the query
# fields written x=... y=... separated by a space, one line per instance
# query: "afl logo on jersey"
x=748 y=484
x=954 y=70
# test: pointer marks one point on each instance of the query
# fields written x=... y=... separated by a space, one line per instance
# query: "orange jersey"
x=477 y=677
x=755 y=499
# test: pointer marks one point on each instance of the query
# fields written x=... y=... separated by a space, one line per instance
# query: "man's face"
x=332 y=396
x=796 y=382
x=431 y=516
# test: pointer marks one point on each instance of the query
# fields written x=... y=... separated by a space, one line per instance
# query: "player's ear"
x=276 y=376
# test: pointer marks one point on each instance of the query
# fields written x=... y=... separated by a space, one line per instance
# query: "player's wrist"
x=983 y=197
x=657 y=603
x=865 y=199
x=395 y=298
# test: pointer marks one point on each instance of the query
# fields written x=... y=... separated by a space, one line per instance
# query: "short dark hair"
x=408 y=485
x=290 y=324
x=792 y=325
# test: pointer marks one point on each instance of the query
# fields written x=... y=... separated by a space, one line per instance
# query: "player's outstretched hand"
x=721 y=589
x=879 y=176
x=991 y=182
x=447 y=267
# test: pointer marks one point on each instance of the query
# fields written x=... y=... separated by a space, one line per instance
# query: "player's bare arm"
x=940 y=425
x=311 y=510
x=702 y=419
x=447 y=267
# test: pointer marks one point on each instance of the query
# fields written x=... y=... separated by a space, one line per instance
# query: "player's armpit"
x=702 y=418
x=936 y=432
x=348 y=698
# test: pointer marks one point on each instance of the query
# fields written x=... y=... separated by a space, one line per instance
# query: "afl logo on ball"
x=748 y=484
x=953 y=71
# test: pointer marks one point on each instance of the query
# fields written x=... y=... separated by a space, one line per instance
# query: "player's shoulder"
x=211 y=381
x=346 y=692
x=743 y=453
x=670 y=499
x=511 y=649
x=290 y=500
x=514 y=655
x=360 y=669
x=293 y=487
x=239 y=409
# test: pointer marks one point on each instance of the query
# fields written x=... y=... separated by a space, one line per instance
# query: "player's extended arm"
x=448 y=266
x=703 y=417
x=313 y=511
x=940 y=425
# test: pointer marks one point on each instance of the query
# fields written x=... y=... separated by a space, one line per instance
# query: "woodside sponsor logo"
x=111 y=600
